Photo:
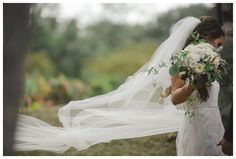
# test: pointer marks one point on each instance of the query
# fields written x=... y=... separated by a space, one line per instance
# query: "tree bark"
x=15 y=38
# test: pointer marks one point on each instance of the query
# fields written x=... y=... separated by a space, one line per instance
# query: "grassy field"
x=156 y=145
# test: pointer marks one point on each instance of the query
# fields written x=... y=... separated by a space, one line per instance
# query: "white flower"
x=213 y=56
x=216 y=62
x=191 y=78
x=192 y=60
x=196 y=52
x=200 y=49
x=193 y=63
x=182 y=73
x=199 y=68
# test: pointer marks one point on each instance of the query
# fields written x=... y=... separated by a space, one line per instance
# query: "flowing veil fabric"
x=134 y=109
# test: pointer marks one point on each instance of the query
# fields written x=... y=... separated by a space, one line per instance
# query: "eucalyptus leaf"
x=173 y=70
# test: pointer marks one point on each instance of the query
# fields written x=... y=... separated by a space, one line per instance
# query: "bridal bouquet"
x=198 y=62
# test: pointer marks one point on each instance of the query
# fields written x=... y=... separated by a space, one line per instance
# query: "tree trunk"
x=15 y=37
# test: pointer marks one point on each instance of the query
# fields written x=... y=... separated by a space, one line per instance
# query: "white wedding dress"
x=200 y=134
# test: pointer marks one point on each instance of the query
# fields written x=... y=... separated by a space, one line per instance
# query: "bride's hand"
x=166 y=93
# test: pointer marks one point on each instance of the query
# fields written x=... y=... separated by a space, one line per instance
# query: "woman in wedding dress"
x=137 y=108
x=200 y=135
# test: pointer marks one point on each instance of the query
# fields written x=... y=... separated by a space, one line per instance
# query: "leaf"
x=202 y=41
x=173 y=70
x=163 y=64
x=150 y=70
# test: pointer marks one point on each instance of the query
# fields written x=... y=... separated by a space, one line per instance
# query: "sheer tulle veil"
x=134 y=109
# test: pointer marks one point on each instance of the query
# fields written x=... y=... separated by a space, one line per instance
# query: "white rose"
x=199 y=68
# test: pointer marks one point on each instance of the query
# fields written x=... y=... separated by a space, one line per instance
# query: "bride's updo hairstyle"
x=208 y=29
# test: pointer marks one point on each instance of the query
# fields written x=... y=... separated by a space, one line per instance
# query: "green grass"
x=156 y=145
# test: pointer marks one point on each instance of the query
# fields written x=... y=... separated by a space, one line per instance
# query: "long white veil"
x=135 y=109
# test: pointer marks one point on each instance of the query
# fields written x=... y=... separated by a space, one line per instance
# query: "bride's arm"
x=179 y=90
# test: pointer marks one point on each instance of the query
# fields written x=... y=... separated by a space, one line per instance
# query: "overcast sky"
x=131 y=13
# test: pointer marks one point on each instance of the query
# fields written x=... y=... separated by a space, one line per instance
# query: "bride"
x=137 y=108
x=201 y=135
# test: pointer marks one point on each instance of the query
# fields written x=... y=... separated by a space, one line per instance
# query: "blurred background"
x=81 y=50
x=75 y=51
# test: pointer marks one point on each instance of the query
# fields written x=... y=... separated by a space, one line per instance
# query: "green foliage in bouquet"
x=195 y=38
x=176 y=60
x=203 y=70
